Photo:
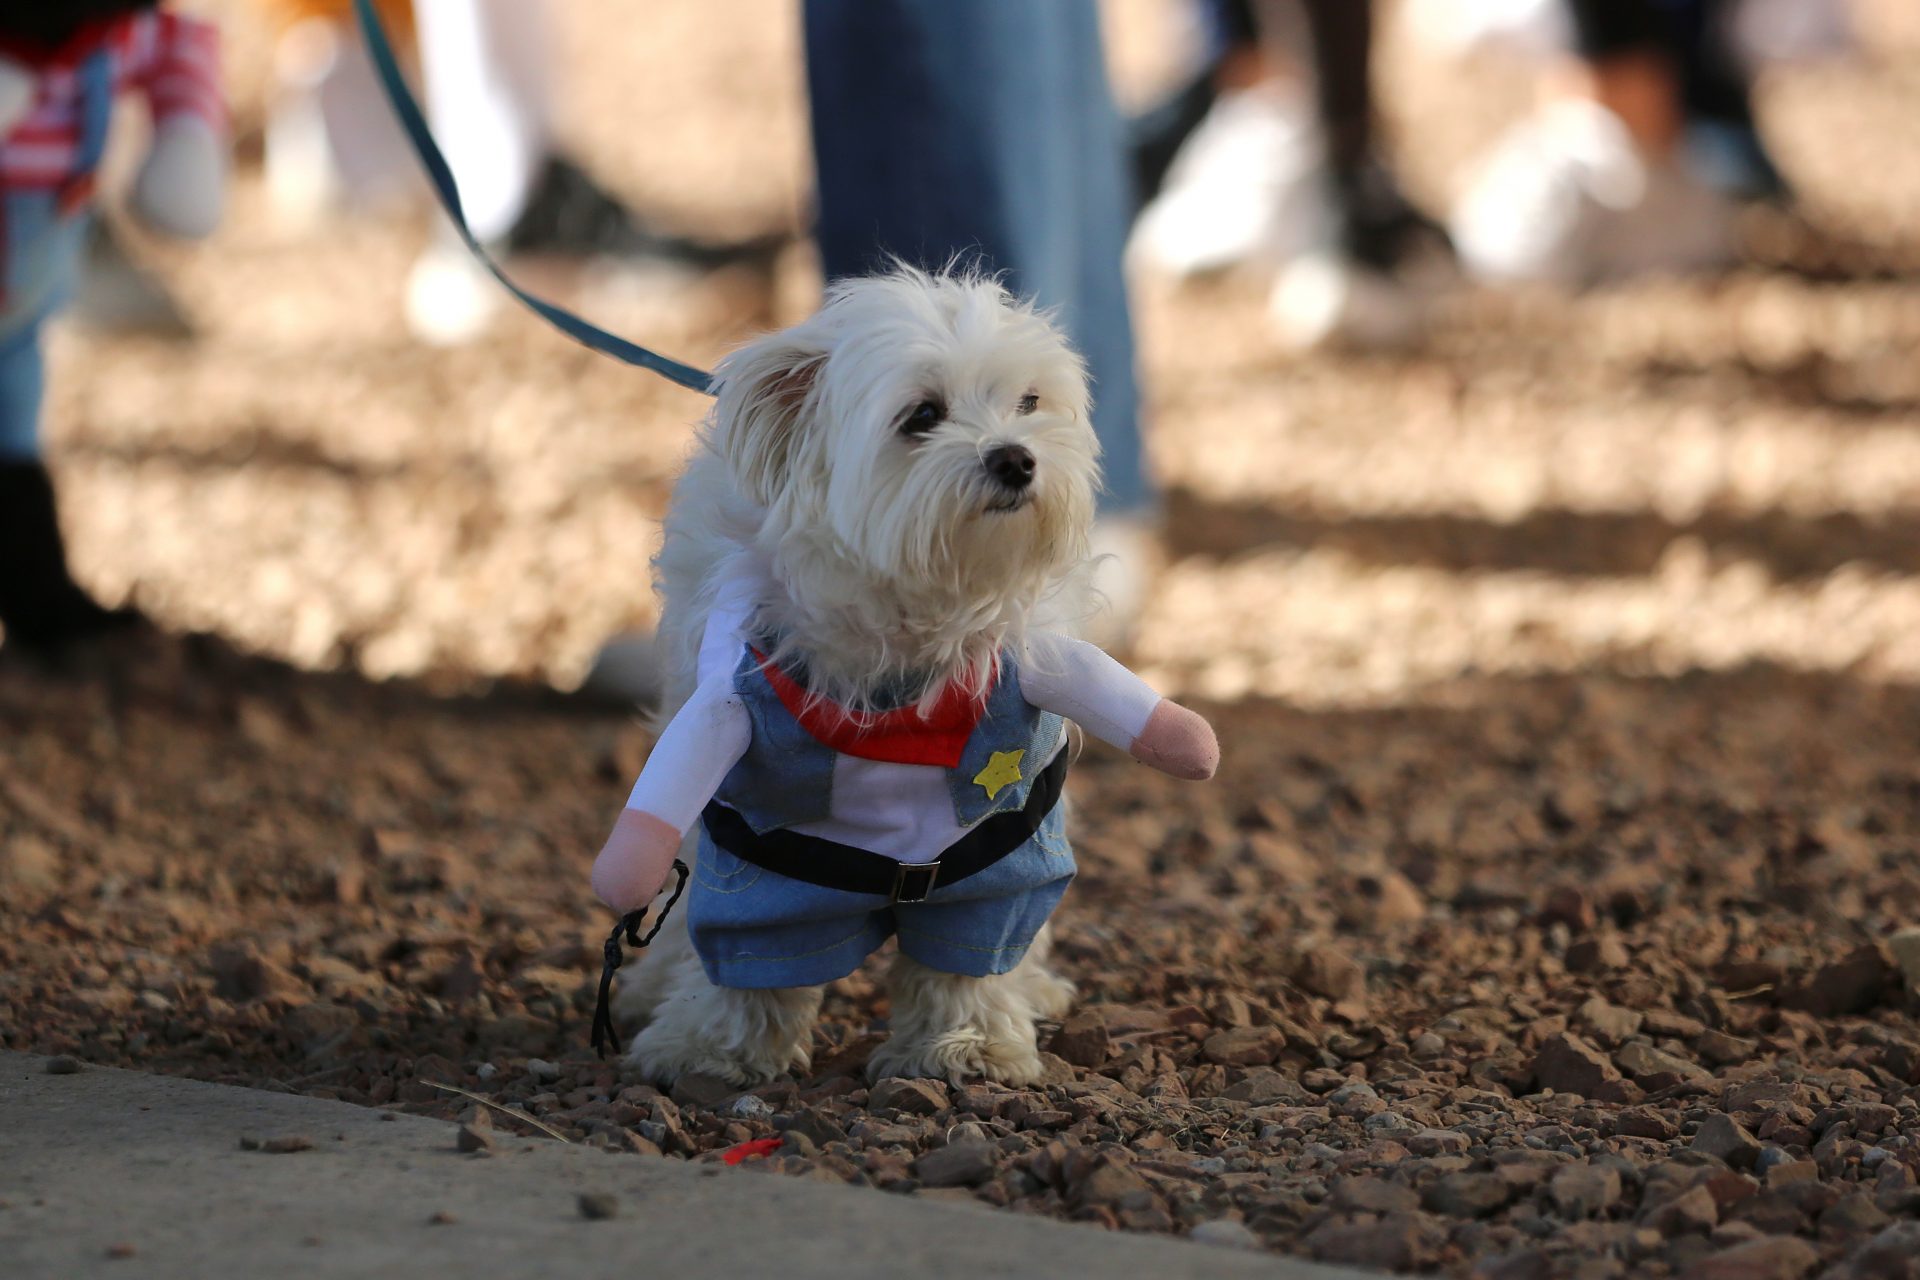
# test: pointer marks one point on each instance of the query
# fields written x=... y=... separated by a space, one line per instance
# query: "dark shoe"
x=570 y=215
x=41 y=606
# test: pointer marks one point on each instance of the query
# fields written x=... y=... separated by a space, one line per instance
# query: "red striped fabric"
x=173 y=60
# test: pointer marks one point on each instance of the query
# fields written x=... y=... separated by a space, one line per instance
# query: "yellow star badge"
x=1003 y=770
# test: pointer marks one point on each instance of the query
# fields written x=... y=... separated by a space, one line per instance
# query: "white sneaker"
x=450 y=299
x=1463 y=28
x=1568 y=198
x=1326 y=300
x=1244 y=186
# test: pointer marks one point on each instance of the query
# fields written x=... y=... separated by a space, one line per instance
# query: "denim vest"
x=786 y=776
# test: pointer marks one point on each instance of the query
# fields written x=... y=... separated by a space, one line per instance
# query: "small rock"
x=121 y=1249
x=917 y=1097
x=1374 y=1195
x=1851 y=1217
x=1642 y=1061
x=958 y=1164
x=1467 y=1195
x=596 y=1206
x=1724 y=1050
x=696 y=1090
x=63 y=1065
x=1437 y=1142
x=1263 y=1086
x=1330 y=973
x=1690 y=1212
x=1768 y=1258
x=442 y=1219
x=1083 y=1040
x=1584 y=1190
x=1397 y=1242
x=542 y=1070
x=1568 y=1064
x=1225 y=1233
x=1645 y=1122
x=1609 y=1022
x=472 y=1138
x=1724 y=1137
x=1605 y=951
x=1854 y=984
x=287 y=1144
x=1243 y=1046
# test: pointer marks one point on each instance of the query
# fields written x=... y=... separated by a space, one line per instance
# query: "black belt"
x=833 y=865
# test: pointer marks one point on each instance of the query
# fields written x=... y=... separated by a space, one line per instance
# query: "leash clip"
x=611 y=958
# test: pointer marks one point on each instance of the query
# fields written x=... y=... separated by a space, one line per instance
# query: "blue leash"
x=441 y=175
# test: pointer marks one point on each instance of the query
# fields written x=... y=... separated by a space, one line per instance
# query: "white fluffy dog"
x=886 y=494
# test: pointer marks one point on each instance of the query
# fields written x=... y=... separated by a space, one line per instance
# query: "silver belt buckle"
x=914 y=880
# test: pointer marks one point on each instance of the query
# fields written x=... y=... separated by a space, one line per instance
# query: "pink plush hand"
x=634 y=864
x=1179 y=742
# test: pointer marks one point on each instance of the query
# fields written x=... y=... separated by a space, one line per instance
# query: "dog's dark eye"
x=1029 y=402
x=923 y=418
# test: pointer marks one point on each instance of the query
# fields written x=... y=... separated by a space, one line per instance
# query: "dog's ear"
x=763 y=390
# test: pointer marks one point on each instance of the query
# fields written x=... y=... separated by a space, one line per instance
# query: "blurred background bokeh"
x=1648 y=477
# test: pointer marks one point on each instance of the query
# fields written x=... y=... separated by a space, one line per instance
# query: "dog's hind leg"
x=955 y=1027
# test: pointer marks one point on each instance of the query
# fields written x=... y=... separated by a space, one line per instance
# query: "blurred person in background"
x=1644 y=146
x=1270 y=156
x=488 y=72
x=983 y=133
x=61 y=67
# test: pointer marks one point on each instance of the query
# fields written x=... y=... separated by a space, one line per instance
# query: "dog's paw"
x=664 y=1057
x=958 y=1056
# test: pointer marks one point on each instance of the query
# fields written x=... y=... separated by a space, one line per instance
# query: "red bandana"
x=900 y=736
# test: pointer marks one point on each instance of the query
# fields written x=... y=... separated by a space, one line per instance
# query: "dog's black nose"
x=1011 y=465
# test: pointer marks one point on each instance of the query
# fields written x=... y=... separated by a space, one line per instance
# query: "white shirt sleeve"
x=702 y=743
x=1083 y=683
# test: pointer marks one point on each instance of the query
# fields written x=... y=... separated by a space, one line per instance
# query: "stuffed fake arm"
x=1086 y=685
x=181 y=186
x=18 y=88
x=705 y=739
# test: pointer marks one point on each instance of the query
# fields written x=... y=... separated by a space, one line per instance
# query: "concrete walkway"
x=108 y=1161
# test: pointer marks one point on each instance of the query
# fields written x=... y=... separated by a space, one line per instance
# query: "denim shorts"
x=755 y=928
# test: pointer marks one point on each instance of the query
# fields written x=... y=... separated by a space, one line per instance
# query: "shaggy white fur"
x=887 y=550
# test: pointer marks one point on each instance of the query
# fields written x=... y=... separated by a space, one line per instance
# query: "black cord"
x=611 y=958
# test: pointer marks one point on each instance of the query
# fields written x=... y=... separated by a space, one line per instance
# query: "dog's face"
x=937 y=429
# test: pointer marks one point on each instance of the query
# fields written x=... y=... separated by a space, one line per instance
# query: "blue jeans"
x=983 y=130
x=754 y=928
x=37 y=273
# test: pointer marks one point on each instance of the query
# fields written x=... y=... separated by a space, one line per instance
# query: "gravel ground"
x=1544 y=920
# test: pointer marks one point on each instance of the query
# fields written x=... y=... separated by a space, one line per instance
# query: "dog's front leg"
x=955 y=1027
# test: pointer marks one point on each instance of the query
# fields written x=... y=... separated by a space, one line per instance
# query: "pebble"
x=1726 y=1139
x=597 y=1206
x=1225 y=1233
x=63 y=1065
x=958 y=1164
x=542 y=1070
